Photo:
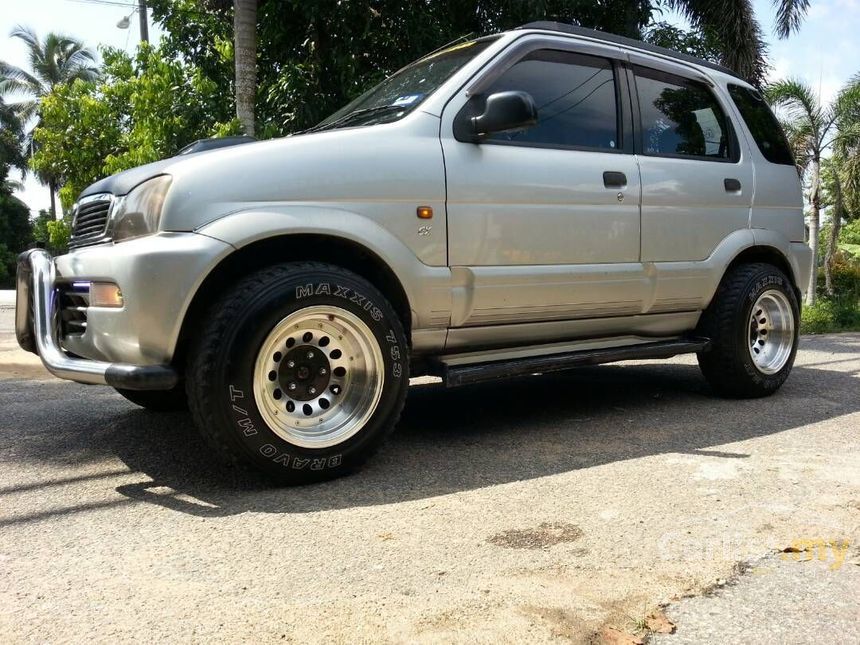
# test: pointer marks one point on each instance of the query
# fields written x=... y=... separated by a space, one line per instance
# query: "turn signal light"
x=425 y=212
x=105 y=294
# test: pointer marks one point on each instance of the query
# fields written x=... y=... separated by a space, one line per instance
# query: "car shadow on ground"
x=447 y=440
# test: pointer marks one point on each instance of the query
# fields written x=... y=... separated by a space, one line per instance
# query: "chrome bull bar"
x=36 y=328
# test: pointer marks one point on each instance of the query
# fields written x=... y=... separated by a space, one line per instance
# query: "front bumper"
x=130 y=347
x=36 y=329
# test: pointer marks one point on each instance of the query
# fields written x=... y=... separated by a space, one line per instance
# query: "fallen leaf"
x=385 y=536
x=659 y=623
x=612 y=636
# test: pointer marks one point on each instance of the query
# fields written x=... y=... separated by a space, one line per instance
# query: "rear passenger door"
x=697 y=180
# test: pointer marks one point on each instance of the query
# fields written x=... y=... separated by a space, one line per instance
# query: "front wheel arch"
x=286 y=248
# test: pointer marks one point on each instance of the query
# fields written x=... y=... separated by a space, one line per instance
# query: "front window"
x=574 y=95
x=401 y=93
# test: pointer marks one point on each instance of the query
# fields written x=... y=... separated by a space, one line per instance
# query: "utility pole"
x=144 y=22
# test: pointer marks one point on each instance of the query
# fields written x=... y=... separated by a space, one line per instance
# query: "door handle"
x=614 y=179
x=732 y=185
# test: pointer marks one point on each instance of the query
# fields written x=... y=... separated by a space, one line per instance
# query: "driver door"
x=543 y=223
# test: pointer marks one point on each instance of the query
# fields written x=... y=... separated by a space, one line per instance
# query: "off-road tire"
x=728 y=365
x=174 y=400
x=220 y=377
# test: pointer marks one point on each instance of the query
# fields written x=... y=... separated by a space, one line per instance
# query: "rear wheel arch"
x=292 y=247
x=767 y=255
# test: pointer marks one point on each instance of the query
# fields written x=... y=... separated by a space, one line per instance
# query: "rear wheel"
x=157 y=401
x=753 y=326
x=301 y=372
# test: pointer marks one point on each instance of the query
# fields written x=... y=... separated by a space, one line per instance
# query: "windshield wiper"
x=356 y=114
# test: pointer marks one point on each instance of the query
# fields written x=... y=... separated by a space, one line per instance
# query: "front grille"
x=90 y=219
x=74 y=298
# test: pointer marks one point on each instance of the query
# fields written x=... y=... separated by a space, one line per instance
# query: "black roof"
x=629 y=42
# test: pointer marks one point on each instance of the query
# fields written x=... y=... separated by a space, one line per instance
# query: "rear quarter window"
x=762 y=124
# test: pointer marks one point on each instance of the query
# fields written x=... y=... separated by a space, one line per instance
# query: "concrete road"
x=563 y=508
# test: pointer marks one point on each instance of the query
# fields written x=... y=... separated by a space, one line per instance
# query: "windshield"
x=401 y=93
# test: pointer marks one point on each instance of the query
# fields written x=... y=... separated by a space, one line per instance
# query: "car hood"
x=384 y=163
x=122 y=182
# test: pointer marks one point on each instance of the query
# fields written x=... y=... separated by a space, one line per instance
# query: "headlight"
x=139 y=212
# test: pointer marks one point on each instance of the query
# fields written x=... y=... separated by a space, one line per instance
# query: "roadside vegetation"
x=825 y=140
x=838 y=306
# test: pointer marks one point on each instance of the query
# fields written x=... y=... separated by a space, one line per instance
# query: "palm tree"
x=844 y=170
x=832 y=183
x=813 y=128
x=733 y=25
x=245 y=54
x=57 y=59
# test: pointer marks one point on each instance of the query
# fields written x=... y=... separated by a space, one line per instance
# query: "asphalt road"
x=542 y=509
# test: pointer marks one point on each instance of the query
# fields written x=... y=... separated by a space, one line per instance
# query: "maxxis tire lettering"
x=324 y=288
x=347 y=293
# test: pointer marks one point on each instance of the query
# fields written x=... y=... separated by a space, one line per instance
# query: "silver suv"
x=521 y=203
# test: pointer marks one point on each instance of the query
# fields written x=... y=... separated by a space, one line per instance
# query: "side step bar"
x=457 y=375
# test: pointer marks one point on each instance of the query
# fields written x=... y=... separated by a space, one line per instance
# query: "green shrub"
x=830 y=315
x=845 y=276
x=850 y=233
x=840 y=312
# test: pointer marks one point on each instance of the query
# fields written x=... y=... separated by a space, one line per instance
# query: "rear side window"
x=680 y=117
x=762 y=124
x=574 y=95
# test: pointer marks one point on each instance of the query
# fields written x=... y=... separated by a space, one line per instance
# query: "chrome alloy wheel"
x=771 y=331
x=318 y=377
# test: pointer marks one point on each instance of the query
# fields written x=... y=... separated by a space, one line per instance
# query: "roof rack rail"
x=628 y=42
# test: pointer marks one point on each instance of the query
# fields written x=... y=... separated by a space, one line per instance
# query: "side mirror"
x=504 y=112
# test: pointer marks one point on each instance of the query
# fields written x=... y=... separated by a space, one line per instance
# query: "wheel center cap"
x=304 y=373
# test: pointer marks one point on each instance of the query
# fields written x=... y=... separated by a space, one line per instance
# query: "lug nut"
x=310 y=354
x=291 y=363
x=292 y=386
x=312 y=390
x=323 y=371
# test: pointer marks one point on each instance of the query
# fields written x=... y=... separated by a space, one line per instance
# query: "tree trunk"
x=833 y=241
x=814 y=225
x=144 y=21
x=245 y=55
x=53 y=188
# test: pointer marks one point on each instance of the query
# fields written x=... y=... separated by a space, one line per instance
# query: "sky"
x=825 y=52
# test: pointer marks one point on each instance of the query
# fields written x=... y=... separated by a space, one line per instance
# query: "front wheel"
x=753 y=326
x=301 y=372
